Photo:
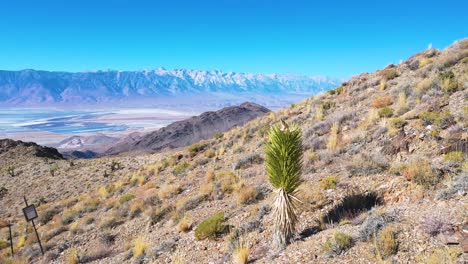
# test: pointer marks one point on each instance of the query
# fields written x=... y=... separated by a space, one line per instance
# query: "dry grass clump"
x=241 y=252
x=227 y=179
x=332 y=143
x=126 y=197
x=386 y=243
x=423 y=86
x=385 y=112
x=168 y=190
x=311 y=194
x=456 y=156
x=388 y=73
x=445 y=255
x=210 y=153
x=246 y=194
x=72 y=256
x=382 y=101
x=137 y=179
x=338 y=244
x=420 y=172
x=139 y=247
x=329 y=182
x=184 y=225
x=136 y=207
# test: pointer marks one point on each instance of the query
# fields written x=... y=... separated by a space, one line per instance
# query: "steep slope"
x=385 y=180
x=161 y=87
x=194 y=129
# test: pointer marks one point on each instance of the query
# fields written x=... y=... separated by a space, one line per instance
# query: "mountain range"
x=151 y=87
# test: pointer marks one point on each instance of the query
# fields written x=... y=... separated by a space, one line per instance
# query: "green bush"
x=327 y=104
x=385 y=112
x=397 y=122
x=457 y=156
x=4 y=244
x=126 y=197
x=386 y=243
x=448 y=82
x=180 y=168
x=340 y=243
x=211 y=227
x=218 y=135
x=329 y=182
x=194 y=149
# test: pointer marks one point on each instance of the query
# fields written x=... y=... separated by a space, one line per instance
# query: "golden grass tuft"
x=420 y=172
x=72 y=256
x=246 y=194
x=332 y=143
x=240 y=254
x=139 y=247
x=184 y=225
x=382 y=101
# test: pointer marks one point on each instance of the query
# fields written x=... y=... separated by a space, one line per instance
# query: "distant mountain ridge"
x=36 y=88
x=185 y=132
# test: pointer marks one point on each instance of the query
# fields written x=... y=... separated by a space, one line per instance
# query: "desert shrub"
x=69 y=217
x=375 y=222
x=72 y=256
x=338 y=244
x=169 y=190
x=115 y=165
x=388 y=73
x=184 y=225
x=218 y=135
x=435 y=222
x=246 y=194
x=382 y=101
x=180 y=168
x=11 y=170
x=447 y=81
x=159 y=214
x=139 y=247
x=211 y=227
x=457 y=156
x=423 y=86
x=383 y=84
x=53 y=169
x=446 y=255
x=311 y=194
x=97 y=253
x=210 y=153
x=3 y=244
x=397 y=122
x=332 y=143
x=126 y=197
x=110 y=222
x=55 y=232
x=420 y=172
x=440 y=120
x=240 y=254
x=245 y=162
x=48 y=214
x=195 y=148
x=136 y=207
x=327 y=104
x=386 y=243
x=329 y=182
x=424 y=61
x=227 y=180
x=385 y=112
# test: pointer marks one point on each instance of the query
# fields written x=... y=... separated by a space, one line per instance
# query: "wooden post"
x=35 y=229
x=11 y=240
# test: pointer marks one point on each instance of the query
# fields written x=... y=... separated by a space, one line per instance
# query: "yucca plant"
x=284 y=167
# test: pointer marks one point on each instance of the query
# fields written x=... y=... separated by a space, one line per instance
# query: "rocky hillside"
x=186 y=132
x=385 y=180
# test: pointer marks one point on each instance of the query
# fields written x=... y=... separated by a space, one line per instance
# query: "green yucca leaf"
x=284 y=158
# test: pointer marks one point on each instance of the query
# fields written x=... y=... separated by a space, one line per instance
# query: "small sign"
x=30 y=213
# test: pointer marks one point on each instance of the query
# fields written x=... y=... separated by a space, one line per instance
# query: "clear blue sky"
x=322 y=37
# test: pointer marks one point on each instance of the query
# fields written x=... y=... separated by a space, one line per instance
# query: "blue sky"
x=334 y=38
